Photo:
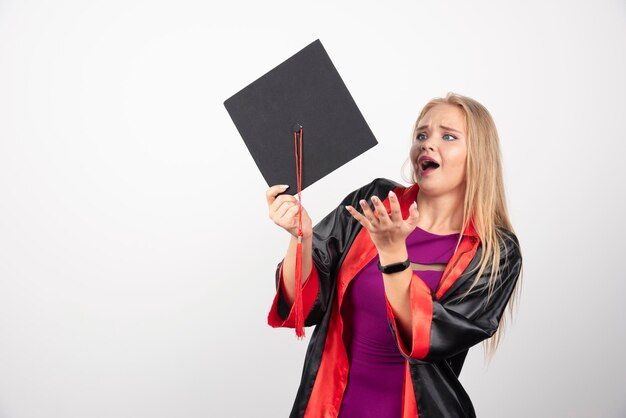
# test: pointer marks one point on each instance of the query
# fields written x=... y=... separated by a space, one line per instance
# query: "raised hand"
x=388 y=230
x=283 y=210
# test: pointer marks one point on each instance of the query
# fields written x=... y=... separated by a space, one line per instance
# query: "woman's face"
x=439 y=150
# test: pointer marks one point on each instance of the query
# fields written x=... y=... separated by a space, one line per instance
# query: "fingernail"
x=374 y=199
x=391 y=193
x=284 y=186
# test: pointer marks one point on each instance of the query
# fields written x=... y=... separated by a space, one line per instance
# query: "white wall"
x=136 y=255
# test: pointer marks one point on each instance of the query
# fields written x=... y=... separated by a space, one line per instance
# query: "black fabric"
x=438 y=392
x=460 y=319
x=456 y=363
x=304 y=90
x=464 y=318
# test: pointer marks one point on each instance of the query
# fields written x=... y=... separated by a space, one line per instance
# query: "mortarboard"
x=304 y=90
x=300 y=123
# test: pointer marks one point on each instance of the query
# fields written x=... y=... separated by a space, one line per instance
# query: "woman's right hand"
x=283 y=211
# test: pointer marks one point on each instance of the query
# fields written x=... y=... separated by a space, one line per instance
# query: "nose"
x=427 y=144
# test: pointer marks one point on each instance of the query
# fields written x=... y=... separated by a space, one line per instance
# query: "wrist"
x=393 y=255
x=305 y=237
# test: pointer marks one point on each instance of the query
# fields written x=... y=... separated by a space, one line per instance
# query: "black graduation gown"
x=446 y=323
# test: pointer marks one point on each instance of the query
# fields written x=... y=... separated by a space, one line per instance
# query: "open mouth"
x=427 y=166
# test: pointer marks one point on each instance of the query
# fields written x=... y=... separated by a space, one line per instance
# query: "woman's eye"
x=421 y=136
x=449 y=137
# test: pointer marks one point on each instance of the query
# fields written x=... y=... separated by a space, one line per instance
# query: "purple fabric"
x=376 y=366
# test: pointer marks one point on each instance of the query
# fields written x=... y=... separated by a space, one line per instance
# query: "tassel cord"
x=297 y=140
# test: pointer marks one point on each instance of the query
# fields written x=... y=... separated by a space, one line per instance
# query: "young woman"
x=400 y=290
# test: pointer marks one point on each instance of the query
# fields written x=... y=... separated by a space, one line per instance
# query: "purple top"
x=376 y=375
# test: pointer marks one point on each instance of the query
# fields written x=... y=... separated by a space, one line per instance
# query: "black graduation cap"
x=304 y=91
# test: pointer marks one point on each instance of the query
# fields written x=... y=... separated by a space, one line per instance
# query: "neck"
x=442 y=214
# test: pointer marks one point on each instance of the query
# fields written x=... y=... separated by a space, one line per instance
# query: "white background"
x=136 y=255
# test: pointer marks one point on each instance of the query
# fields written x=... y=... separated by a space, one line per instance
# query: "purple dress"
x=377 y=368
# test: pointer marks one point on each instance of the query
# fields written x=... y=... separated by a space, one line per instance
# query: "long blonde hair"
x=485 y=200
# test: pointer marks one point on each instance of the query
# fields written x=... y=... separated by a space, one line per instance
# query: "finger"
x=413 y=215
x=360 y=218
x=396 y=213
x=278 y=201
x=290 y=218
x=284 y=207
x=367 y=212
x=381 y=210
x=274 y=191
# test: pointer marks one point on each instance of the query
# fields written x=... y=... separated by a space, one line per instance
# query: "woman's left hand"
x=388 y=230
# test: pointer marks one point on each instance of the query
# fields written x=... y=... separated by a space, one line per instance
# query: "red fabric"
x=297 y=302
x=460 y=260
x=421 y=303
x=332 y=375
x=409 y=406
x=309 y=294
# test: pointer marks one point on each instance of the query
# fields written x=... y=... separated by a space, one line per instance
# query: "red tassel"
x=298 y=276
x=298 y=298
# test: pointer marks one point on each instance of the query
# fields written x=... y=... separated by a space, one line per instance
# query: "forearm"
x=397 y=289
x=289 y=266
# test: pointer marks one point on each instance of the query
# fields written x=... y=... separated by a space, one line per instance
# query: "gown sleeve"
x=464 y=316
x=332 y=238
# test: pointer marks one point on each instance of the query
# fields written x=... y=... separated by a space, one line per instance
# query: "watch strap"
x=394 y=267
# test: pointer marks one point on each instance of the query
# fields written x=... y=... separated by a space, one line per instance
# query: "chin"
x=427 y=186
x=432 y=187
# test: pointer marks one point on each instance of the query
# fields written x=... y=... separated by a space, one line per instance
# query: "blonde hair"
x=485 y=200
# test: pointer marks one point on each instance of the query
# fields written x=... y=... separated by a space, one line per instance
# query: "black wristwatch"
x=394 y=267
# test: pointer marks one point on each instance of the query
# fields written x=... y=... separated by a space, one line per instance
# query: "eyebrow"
x=447 y=128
